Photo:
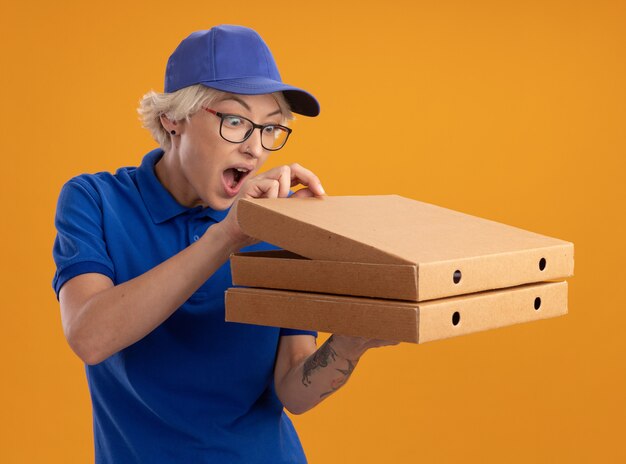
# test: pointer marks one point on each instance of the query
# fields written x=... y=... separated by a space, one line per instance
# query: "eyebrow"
x=246 y=106
x=274 y=112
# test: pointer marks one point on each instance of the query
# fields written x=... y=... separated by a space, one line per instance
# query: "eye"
x=232 y=121
x=269 y=130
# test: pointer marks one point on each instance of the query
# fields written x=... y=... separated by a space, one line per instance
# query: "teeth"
x=241 y=169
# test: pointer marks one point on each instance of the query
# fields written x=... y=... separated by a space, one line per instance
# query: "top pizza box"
x=389 y=247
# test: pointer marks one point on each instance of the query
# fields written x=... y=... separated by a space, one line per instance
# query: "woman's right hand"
x=275 y=183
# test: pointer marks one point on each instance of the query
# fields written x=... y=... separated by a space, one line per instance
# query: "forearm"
x=319 y=375
x=116 y=317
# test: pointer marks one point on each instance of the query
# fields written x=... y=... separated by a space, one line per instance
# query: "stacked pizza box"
x=392 y=268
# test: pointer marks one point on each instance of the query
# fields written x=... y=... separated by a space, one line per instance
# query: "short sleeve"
x=79 y=247
x=287 y=332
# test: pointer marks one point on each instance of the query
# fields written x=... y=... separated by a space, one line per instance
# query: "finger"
x=284 y=181
x=292 y=175
x=303 y=193
x=262 y=188
x=369 y=343
x=282 y=174
x=301 y=175
x=380 y=343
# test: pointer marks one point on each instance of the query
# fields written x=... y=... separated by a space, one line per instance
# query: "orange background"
x=513 y=111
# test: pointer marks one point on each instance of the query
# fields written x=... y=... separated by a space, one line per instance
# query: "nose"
x=252 y=145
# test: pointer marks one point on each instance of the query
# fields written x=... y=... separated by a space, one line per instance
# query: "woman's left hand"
x=292 y=175
x=353 y=347
x=275 y=183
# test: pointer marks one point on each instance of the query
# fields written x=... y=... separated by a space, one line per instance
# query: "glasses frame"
x=223 y=116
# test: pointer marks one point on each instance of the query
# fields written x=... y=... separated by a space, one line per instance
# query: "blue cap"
x=232 y=59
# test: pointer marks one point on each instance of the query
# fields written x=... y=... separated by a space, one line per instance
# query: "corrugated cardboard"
x=397 y=320
x=390 y=247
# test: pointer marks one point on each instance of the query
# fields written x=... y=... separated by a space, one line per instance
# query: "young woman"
x=142 y=267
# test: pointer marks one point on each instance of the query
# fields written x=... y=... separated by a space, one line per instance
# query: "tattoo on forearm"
x=321 y=358
x=337 y=383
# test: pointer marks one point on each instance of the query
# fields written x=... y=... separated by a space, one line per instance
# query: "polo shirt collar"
x=160 y=203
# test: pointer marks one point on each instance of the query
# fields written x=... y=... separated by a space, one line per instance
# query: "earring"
x=173 y=132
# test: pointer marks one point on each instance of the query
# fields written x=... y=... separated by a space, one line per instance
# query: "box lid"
x=387 y=229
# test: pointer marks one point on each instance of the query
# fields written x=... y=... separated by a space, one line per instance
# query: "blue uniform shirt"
x=197 y=389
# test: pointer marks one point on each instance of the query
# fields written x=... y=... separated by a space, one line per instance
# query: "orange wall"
x=513 y=111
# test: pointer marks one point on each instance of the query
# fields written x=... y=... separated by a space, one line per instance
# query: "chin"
x=220 y=204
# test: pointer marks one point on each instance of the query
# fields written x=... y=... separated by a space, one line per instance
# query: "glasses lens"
x=274 y=137
x=235 y=128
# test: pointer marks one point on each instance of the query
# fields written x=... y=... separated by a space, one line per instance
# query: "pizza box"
x=389 y=247
x=394 y=320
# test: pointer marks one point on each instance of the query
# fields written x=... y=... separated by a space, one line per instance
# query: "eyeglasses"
x=237 y=129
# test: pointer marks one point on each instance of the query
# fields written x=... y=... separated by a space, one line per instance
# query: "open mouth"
x=233 y=179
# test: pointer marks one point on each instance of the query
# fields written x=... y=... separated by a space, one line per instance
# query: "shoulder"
x=92 y=197
x=102 y=180
x=99 y=185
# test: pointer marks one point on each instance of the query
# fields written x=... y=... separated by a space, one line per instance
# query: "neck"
x=169 y=172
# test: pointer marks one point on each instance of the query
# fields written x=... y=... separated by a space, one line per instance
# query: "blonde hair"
x=182 y=104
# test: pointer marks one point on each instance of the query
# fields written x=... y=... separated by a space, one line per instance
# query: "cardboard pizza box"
x=403 y=321
x=389 y=247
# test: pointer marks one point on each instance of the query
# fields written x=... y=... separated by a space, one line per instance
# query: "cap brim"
x=300 y=101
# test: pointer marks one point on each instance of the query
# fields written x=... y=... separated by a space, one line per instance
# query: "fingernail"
x=322 y=189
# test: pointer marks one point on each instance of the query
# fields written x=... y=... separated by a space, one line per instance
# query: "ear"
x=170 y=125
